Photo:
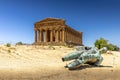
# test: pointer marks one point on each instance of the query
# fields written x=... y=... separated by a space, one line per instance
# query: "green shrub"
x=19 y=43
x=8 y=45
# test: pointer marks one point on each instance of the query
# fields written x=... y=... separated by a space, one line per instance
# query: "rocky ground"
x=44 y=63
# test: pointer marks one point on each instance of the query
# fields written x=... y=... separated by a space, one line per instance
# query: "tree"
x=116 y=48
x=101 y=43
x=104 y=43
x=110 y=47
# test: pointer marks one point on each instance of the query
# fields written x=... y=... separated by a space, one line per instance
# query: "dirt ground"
x=44 y=63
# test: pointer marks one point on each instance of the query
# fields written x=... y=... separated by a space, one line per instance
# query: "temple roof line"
x=47 y=20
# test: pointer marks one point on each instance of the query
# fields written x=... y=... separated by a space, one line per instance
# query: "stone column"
x=35 y=35
x=63 y=34
x=46 y=37
x=40 y=37
x=51 y=36
x=77 y=38
x=56 y=36
x=72 y=37
x=68 y=38
x=60 y=38
x=66 y=34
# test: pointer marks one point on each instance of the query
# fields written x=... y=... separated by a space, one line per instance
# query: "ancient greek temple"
x=53 y=31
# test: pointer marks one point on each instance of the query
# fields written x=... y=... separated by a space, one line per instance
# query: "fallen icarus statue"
x=89 y=55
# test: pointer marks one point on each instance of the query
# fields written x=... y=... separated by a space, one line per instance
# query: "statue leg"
x=74 y=64
x=71 y=56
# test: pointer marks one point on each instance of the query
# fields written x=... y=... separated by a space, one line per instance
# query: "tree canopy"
x=99 y=43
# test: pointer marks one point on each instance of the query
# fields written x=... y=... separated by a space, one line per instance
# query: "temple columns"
x=46 y=35
x=40 y=37
x=51 y=36
x=60 y=35
x=63 y=34
x=57 y=36
x=35 y=35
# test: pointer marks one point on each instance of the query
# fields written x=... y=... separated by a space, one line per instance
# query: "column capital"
x=35 y=29
x=46 y=29
x=40 y=29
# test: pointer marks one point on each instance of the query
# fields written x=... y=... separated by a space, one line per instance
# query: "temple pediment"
x=50 y=20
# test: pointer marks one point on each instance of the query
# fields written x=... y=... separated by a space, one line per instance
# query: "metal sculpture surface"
x=87 y=55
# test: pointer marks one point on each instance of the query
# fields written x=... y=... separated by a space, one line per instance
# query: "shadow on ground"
x=89 y=66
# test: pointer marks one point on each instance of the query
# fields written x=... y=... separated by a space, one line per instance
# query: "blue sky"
x=95 y=18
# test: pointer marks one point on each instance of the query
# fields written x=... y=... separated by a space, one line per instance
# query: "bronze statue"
x=89 y=55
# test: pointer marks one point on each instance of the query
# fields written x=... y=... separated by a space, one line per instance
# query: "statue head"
x=103 y=50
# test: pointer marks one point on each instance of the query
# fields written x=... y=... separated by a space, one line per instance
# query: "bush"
x=116 y=48
x=19 y=43
x=110 y=47
x=8 y=45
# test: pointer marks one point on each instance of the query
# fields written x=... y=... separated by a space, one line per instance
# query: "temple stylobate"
x=53 y=31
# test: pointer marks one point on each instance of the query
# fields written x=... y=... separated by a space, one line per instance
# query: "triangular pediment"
x=51 y=20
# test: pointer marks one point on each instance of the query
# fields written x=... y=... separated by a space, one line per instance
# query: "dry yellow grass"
x=44 y=63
